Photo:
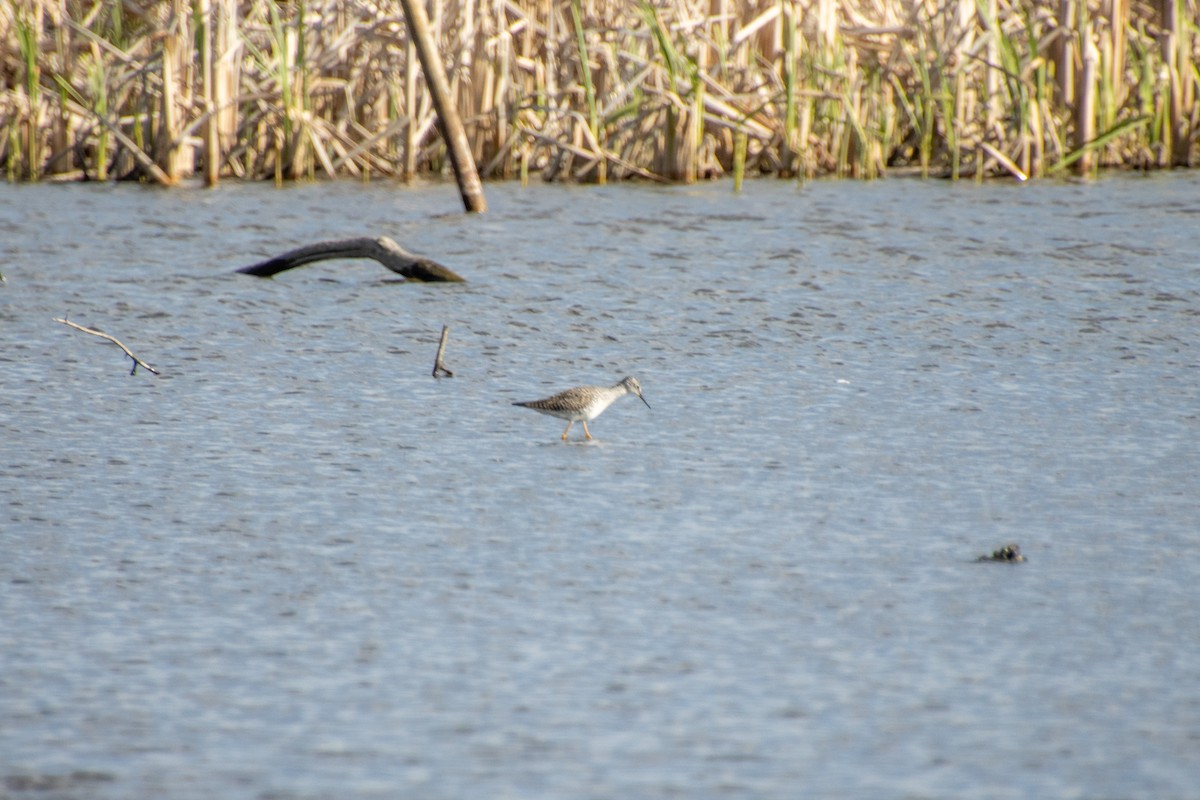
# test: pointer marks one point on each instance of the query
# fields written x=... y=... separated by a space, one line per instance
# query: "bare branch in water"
x=137 y=362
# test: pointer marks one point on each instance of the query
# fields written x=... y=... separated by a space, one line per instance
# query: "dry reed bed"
x=597 y=89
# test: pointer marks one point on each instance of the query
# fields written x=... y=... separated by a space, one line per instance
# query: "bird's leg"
x=586 y=432
x=570 y=422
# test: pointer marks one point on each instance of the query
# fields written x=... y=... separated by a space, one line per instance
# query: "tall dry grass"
x=596 y=90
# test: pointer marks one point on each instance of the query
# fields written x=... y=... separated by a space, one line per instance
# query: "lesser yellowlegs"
x=584 y=403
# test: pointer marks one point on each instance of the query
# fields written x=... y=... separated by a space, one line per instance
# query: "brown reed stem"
x=1085 y=112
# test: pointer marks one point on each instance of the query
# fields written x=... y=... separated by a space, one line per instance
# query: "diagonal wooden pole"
x=469 y=185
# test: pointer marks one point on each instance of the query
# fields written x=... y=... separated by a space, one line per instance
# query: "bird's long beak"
x=644 y=401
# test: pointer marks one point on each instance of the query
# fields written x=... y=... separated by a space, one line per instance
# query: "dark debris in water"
x=55 y=783
x=1010 y=553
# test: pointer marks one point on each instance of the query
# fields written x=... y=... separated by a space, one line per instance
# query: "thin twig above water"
x=137 y=362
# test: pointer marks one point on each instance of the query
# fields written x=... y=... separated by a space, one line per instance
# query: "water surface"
x=297 y=566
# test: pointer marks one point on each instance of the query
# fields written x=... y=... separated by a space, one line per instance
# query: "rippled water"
x=297 y=566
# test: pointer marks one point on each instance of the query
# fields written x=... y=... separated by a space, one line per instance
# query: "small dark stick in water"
x=438 y=366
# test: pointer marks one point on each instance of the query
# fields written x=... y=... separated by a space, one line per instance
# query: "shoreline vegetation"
x=597 y=90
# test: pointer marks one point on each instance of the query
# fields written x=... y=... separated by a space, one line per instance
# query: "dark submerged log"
x=383 y=250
